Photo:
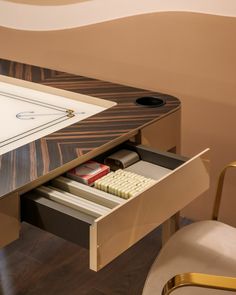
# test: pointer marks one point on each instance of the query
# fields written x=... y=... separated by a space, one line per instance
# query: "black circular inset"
x=150 y=101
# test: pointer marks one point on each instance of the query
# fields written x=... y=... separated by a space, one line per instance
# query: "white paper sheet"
x=27 y=115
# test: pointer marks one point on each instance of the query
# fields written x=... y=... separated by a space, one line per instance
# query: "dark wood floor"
x=40 y=263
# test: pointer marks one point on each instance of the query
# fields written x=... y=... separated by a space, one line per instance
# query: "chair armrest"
x=199 y=280
x=218 y=196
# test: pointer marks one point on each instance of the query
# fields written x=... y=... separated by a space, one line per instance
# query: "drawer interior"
x=73 y=210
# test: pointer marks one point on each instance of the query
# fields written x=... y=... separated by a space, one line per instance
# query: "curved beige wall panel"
x=23 y=15
x=190 y=55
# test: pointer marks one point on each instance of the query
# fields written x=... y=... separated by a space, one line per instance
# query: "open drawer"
x=109 y=225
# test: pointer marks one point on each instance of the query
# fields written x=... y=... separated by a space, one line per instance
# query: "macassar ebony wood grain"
x=42 y=157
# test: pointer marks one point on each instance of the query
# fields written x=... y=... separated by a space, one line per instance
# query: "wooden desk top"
x=34 y=163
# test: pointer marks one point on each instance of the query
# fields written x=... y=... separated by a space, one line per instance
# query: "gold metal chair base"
x=199 y=280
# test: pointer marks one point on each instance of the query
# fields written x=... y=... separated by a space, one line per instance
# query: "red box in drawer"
x=88 y=172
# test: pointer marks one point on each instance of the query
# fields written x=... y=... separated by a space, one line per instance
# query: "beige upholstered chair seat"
x=205 y=247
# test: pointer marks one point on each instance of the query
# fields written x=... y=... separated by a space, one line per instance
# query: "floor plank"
x=41 y=263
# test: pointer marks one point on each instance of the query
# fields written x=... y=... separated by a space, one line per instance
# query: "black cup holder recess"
x=150 y=101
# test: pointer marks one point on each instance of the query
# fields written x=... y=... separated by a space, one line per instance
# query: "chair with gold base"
x=198 y=259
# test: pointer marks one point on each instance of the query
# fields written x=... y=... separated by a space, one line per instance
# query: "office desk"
x=33 y=164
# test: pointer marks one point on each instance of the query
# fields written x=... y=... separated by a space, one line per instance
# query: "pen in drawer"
x=73 y=201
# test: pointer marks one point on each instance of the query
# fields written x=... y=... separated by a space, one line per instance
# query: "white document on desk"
x=27 y=114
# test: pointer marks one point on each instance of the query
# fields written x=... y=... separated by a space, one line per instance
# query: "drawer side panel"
x=55 y=218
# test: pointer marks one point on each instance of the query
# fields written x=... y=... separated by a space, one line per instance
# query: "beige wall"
x=192 y=56
x=47 y=15
x=46 y=2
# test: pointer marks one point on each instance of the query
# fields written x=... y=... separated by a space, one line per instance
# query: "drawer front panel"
x=9 y=219
x=114 y=233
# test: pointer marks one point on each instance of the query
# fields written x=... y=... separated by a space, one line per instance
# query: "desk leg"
x=9 y=219
x=169 y=227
